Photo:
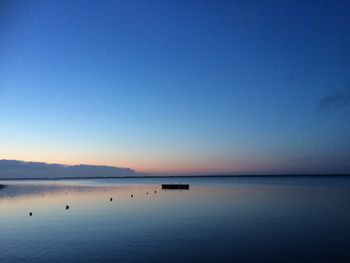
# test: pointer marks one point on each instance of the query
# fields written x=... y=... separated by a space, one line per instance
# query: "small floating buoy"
x=67 y=207
x=132 y=195
x=111 y=199
x=147 y=193
x=30 y=213
x=155 y=192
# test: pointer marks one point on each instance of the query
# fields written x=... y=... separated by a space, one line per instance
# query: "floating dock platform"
x=176 y=186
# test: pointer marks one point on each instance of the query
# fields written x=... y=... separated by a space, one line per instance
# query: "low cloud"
x=303 y=159
x=20 y=169
x=336 y=99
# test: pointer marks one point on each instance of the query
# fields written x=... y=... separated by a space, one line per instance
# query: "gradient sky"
x=177 y=87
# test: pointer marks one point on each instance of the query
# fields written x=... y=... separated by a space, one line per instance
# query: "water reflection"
x=218 y=221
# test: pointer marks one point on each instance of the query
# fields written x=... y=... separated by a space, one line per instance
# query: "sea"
x=219 y=219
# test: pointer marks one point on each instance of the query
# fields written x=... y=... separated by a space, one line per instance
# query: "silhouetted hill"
x=13 y=169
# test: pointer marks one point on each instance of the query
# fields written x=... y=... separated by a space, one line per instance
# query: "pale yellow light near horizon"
x=139 y=163
x=146 y=161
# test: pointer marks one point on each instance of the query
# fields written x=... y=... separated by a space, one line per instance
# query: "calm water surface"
x=217 y=220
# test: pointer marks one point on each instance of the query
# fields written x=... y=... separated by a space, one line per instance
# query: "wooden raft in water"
x=176 y=186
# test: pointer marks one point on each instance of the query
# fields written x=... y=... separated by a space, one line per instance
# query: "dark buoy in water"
x=111 y=199
x=147 y=193
x=30 y=213
x=155 y=192
x=67 y=207
x=132 y=195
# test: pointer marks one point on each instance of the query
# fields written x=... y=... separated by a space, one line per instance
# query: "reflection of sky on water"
x=225 y=219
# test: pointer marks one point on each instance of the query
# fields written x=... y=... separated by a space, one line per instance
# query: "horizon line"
x=187 y=176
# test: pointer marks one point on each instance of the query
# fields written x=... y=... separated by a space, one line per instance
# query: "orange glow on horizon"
x=153 y=166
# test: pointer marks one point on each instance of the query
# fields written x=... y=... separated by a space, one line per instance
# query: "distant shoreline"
x=182 y=176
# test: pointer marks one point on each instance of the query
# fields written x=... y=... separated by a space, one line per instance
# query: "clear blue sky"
x=177 y=86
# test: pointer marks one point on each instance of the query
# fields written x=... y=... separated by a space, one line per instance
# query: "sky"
x=177 y=87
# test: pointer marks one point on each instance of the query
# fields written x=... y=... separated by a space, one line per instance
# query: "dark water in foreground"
x=217 y=220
